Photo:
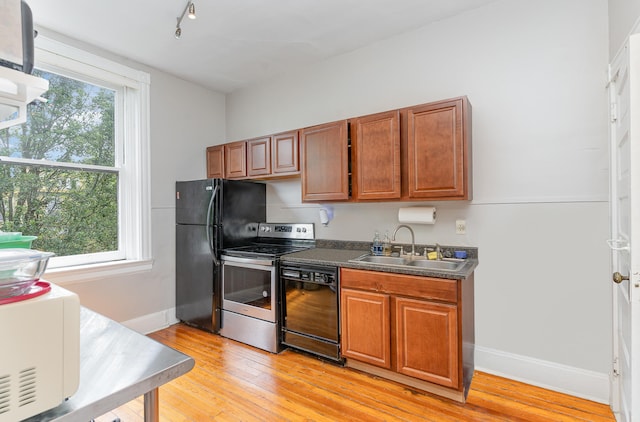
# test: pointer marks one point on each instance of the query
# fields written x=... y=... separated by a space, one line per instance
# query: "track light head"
x=190 y=11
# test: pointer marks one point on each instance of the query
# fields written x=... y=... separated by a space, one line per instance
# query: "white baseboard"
x=577 y=382
x=153 y=322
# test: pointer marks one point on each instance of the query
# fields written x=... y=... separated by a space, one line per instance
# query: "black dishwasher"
x=310 y=309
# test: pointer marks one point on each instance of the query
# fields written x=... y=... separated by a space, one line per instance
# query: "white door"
x=624 y=91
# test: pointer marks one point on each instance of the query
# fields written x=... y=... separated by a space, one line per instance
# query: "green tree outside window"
x=70 y=201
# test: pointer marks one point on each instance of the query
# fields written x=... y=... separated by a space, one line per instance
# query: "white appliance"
x=16 y=28
x=17 y=86
x=39 y=353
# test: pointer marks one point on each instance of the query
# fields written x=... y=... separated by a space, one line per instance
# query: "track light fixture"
x=190 y=12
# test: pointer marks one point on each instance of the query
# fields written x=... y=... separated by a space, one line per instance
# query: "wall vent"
x=5 y=393
x=27 y=387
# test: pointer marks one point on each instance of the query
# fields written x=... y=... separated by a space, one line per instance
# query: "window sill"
x=85 y=273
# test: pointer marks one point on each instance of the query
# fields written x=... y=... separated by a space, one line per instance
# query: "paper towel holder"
x=417 y=215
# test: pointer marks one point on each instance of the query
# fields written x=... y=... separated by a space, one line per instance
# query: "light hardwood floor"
x=235 y=382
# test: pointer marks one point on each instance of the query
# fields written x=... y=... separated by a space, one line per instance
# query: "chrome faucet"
x=413 y=238
x=438 y=253
x=437 y=250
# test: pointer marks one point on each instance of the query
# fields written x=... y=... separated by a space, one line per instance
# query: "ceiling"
x=235 y=43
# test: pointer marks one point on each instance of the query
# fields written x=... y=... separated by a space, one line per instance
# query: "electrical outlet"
x=461 y=227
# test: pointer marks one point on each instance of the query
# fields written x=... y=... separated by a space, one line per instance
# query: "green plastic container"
x=4 y=236
x=21 y=242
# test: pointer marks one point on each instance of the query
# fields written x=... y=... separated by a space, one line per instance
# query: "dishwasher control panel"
x=324 y=276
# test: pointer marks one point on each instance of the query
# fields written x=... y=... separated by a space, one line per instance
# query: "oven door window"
x=311 y=308
x=249 y=290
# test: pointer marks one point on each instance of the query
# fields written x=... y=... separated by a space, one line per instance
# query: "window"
x=76 y=173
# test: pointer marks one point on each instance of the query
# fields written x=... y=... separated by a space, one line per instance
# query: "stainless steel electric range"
x=250 y=288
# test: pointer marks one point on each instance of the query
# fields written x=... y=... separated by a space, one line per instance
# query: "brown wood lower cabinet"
x=427 y=340
x=365 y=315
x=411 y=329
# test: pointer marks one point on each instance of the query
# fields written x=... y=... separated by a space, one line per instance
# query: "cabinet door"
x=259 y=157
x=438 y=142
x=284 y=153
x=325 y=162
x=215 y=162
x=235 y=155
x=366 y=327
x=375 y=146
x=427 y=341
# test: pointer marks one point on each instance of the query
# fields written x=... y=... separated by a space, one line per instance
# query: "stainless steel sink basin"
x=449 y=265
x=415 y=262
x=387 y=260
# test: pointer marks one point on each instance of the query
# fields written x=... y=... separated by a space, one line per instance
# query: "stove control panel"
x=287 y=230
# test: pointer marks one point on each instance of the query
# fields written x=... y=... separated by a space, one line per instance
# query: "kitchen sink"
x=446 y=264
x=387 y=260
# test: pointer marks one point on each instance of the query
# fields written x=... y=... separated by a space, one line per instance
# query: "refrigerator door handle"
x=210 y=228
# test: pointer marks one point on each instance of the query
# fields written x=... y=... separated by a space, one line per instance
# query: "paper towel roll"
x=417 y=215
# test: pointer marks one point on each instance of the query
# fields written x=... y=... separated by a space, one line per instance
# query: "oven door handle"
x=251 y=261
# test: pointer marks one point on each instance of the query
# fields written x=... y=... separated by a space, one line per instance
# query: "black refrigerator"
x=211 y=214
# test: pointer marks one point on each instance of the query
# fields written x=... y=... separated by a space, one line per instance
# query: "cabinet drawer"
x=401 y=284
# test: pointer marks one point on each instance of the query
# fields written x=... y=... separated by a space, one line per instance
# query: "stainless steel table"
x=117 y=365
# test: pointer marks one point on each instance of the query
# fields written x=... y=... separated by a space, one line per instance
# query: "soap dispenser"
x=376 y=247
x=386 y=244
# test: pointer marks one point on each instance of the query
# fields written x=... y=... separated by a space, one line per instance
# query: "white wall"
x=535 y=73
x=623 y=16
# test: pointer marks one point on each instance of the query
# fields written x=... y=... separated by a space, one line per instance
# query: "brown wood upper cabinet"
x=375 y=145
x=235 y=155
x=416 y=153
x=215 y=162
x=324 y=152
x=273 y=156
x=437 y=146
x=284 y=154
x=259 y=157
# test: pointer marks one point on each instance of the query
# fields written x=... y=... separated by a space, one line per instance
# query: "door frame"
x=624 y=97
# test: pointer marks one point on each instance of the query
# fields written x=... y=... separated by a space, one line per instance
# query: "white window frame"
x=134 y=207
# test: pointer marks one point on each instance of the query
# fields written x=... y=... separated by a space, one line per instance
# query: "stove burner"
x=276 y=239
x=258 y=249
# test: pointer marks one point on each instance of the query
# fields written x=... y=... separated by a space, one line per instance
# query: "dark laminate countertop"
x=342 y=257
